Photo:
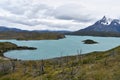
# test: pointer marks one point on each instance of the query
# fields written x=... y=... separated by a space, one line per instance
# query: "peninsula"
x=8 y=46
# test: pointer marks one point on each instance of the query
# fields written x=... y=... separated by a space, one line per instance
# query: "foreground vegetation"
x=93 y=66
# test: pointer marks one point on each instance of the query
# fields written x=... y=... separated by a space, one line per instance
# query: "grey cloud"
x=13 y=6
x=29 y=14
x=72 y=12
x=68 y=17
x=27 y=22
x=23 y=7
x=19 y=20
x=37 y=11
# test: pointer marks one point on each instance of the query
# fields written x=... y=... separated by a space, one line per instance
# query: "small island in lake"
x=89 y=41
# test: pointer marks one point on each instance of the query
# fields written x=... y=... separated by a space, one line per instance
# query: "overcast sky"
x=55 y=14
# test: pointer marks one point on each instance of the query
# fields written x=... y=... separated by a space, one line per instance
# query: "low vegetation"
x=26 y=35
x=89 y=41
x=93 y=66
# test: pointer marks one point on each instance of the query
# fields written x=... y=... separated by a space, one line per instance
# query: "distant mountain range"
x=18 y=34
x=52 y=31
x=6 y=29
x=103 y=27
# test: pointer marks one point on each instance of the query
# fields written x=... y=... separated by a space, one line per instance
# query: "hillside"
x=18 y=34
x=93 y=66
x=30 y=35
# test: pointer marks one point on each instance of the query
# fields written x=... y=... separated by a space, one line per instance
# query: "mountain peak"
x=104 y=18
x=104 y=21
x=105 y=25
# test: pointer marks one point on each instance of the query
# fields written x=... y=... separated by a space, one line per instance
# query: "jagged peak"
x=115 y=22
x=105 y=21
x=104 y=18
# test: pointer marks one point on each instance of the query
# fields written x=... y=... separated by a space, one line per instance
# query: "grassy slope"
x=30 y=35
x=92 y=66
x=4 y=46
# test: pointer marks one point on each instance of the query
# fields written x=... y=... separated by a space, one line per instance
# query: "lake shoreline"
x=58 y=58
x=95 y=62
x=4 y=49
x=47 y=49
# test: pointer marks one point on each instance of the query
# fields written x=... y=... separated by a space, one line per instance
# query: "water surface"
x=55 y=48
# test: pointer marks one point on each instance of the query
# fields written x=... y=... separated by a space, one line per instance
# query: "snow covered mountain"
x=104 y=21
x=103 y=27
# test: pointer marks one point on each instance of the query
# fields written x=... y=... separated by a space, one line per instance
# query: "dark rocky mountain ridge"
x=103 y=27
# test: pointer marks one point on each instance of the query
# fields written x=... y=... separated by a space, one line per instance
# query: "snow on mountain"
x=105 y=25
x=105 y=21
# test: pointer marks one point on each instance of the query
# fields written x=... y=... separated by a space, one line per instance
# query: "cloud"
x=72 y=12
x=45 y=14
x=37 y=11
x=14 y=6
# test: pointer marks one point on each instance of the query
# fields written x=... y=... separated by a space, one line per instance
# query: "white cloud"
x=55 y=14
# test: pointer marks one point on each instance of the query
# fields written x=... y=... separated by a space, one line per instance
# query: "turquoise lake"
x=55 y=48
